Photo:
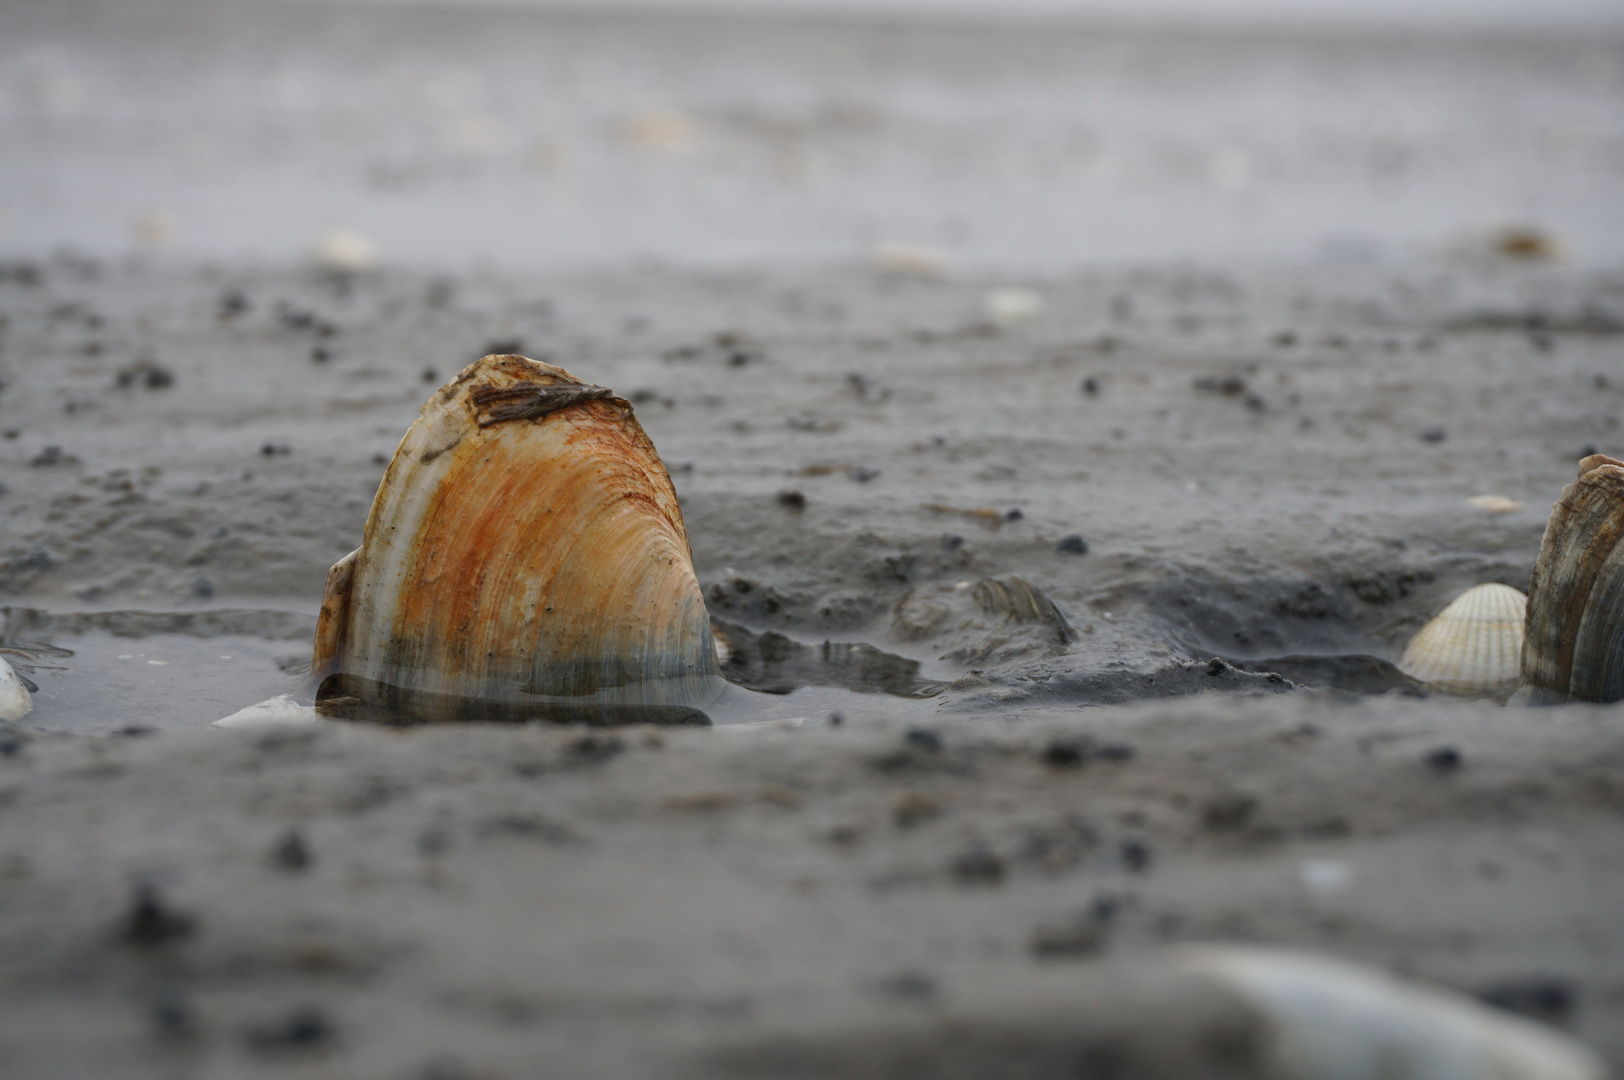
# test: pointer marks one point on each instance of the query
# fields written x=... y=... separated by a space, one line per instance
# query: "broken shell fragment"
x=1473 y=646
x=524 y=557
x=1020 y=601
x=1574 y=650
x=15 y=701
x=279 y=711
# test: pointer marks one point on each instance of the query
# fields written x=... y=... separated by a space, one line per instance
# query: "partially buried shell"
x=15 y=701
x=1472 y=646
x=525 y=556
x=1575 y=644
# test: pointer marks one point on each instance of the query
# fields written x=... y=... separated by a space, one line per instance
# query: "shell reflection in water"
x=1473 y=646
x=1575 y=645
x=524 y=556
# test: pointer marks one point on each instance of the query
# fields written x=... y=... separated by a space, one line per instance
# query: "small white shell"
x=15 y=700
x=1330 y=1019
x=1474 y=646
x=279 y=711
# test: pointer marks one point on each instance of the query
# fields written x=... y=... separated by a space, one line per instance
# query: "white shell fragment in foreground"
x=279 y=711
x=1474 y=646
x=1331 y=1020
x=15 y=700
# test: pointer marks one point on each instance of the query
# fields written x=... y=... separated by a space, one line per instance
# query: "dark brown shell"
x=1573 y=648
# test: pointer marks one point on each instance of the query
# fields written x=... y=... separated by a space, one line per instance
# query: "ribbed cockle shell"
x=525 y=555
x=1473 y=645
x=1575 y=642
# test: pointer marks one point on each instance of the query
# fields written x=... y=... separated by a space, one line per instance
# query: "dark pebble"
x=302 y=1029
x=291 y=853
x=202 y=589
x=1444 y=759
x=1115 y=752
x=1064 y=941
x=1285 y=339
x=836 y=719
x=1434 y=435
x=233 y=302
x=1072 y=544
x=171 y=1019
x=1228 y=386
x=978 y=866
x=273 y=449
x=1066 y=754
x=594 y=749
x=1586 y=450
x=430 y=375
x=150 y=922
x=510 y=347
x=952 y=542
x=1091 y=386
x=910 y=985
x=1255 y=403
x=1547 y=999
x=51 y=455
x=1014 y=515
x=792 y=500
x=320 y=354
x=380 y=459
x=863 y=475
x=1136 y=855
x=1228 y=813
x=923 y=739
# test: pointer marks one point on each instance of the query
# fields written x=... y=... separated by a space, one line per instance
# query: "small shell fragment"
x=1495 y=504
x=1575 y=643
x=1327 y=1018
x=15 y=701
x=279 y=711
x=1473 y=646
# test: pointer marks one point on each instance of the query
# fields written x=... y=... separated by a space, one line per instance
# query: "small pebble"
x=1072 y=544
x=1136 y=856
x=978 y=866
x=923 y=739
x=863 y=475
x=1091 y=386
x=151 y=922
x=952 y=542
x=291 y=853
x=1444 y=759
x=1434 y=435
x=792 y=500
x=1014 y=515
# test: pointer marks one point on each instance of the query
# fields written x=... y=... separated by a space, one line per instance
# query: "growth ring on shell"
x=1473 y=646
x=524 y=556
x=1574 y=648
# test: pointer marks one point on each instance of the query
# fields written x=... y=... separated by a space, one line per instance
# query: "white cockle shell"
x=15 y=700
x=1474 y=646
x=525 y=555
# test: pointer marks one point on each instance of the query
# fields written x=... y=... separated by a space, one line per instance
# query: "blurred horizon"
x=1325 y=15
x=532 y=133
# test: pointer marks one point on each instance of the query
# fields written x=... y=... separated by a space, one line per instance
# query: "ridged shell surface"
x=15 y=700
x=1474 y=646
x=1575 y=641
x=525 y=547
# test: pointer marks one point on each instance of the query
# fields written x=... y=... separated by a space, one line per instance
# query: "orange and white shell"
x=1575 y=644
x=1474 y=646
x=525 y=548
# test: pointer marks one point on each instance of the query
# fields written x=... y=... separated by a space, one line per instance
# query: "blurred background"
x=1030 y=135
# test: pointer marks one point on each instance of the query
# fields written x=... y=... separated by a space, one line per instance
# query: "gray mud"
x=963 y=547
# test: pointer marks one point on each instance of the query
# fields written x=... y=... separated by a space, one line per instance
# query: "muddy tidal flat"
x=961 y=828
x=1062 y=565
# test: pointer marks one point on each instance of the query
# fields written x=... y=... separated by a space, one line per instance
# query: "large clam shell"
x=525 y=555
x=1575 y=642
x=1473 y=646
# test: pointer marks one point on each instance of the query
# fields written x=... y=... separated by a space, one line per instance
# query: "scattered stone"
x=291 y=853
x=909 y=985
x=1067 y=753
x=1070 y=940
x=913 y=809
x=1091 y=386
x=923 y=739
x=1072 y=544
x=1136 y=855
x=320 y=354
x=275 y=449
x=305 y=1028
x=149 y=922
x=952 y=541
x=792 y=500
x=1228 y=812
x=978 y=866
x=51 y=455
x=1444 y=759
x=862 y=474
x=430 y=375
x=1225 y=386
x=1015 y=514
x=1434 y=435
